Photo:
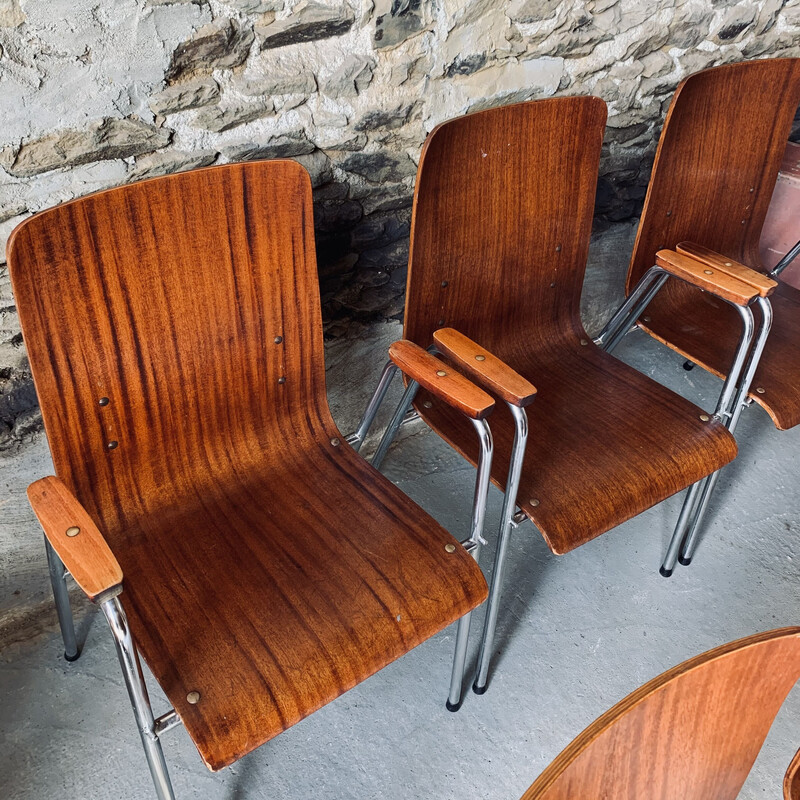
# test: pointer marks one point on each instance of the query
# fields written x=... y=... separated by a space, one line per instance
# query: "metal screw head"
x=760 y=389
x=335 y=442
x=112 y=445
x=534 y=502
x=646 y=319
x=558 y=248
x=450 y=548
x=728 y=264
x=398 y=617
x=553 y=285
x=705 y=417
x=669 y=213
x=282 y=379
x=427 y=404
x=103 y=401
x=193 y=697
x=584 y=342
x=73 y=531
x=445 y=284
x=708 y=271
x=752 y=189
x=480 y=358
x=440 y=323
x=278 y=339
x=441 y=373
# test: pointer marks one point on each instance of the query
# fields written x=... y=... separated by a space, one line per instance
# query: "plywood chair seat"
x=706 y=330
x=594 y=458
x=270 y=595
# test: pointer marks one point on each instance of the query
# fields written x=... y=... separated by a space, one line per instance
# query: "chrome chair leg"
x=357 y=439
x=473 y=545
x=738 y=405
x=506 y=525
x=58 y=581
x=790 y=256
x=696 y=501
x=397 y=420
x=132 y=671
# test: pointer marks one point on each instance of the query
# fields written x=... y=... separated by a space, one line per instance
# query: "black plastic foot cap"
x=70 y=658
x=452 y=706
x=688 y=366
x=479 y=689
x=685 y=561
x=665 y=572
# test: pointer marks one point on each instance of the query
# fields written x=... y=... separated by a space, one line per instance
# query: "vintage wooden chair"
x=713 y=177
x=205 y=499
x=692 y=733
x=501 y=225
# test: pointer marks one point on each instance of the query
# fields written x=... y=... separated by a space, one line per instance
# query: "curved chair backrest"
x=693 y=733
x=191 y=330
x=791 y=782
x=502 y=218
x=717 y=161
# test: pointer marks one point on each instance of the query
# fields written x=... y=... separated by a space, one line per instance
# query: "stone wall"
x=96 y=94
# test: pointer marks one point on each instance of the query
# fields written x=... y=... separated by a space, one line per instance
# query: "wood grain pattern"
x=485 y=367
x=267 y=565
x=693 y=733
x=758 y=280
x=791 y=781
x=713 y=177
x=700 y=274
x=440 y=379
x=504 y=266
x=75 y=538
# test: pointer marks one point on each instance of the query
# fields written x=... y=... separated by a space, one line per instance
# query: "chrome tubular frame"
x=738 y=405
x=785 y=261
x=627 y=314
x=58 y=581
x=473 y=547
x=506 y=525
x=132 y=671
x=395 y=423
x=357 y=439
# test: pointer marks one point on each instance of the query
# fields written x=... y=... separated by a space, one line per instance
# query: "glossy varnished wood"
x=75 y=538
x=502 y=218
x=440 y=379
x=791 y=781
x=693 y=733
x=485 y=367
x=702 y=275
x=267 y=566
x=762 y=283
x=713 y=177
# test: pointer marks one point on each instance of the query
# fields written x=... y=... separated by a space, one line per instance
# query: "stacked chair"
x=233 y=537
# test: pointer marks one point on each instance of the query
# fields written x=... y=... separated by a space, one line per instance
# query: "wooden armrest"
x=486 y=369
x=441 y=380
x=791 y=781
x=758 y=280
x=700 y=274
x=75 y=538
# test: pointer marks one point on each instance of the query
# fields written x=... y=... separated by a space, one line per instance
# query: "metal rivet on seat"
x=445 y=284
x=646 y=319
x=282 y=379
x=584 y=342
x=73 y=531
x=728 y=264
x=193 y=697
x=441 y=373
x=705 y=417
x=103 y=401
x=335 y=442
x=752 y=189
x=427 y=404
x=480 y=358
x=558 y=248
x=278 y=339
x=450 y=548
x=440 y=323
x=708 y=271
x=112 y=445
x=760 y=389
x=398 y=617
x=534 y=502
x=669 y=213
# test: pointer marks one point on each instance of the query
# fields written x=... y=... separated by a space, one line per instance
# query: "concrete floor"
x=576 y=632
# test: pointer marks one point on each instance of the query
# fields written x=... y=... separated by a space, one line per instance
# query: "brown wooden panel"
x=485 y=367
x=693 y=733
x=441 y=379
x=267 y=566
x=74 y=536
x=500 y=236
x=714 y=173
x=698 y=273
x=791 y=781
x=758 y=280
